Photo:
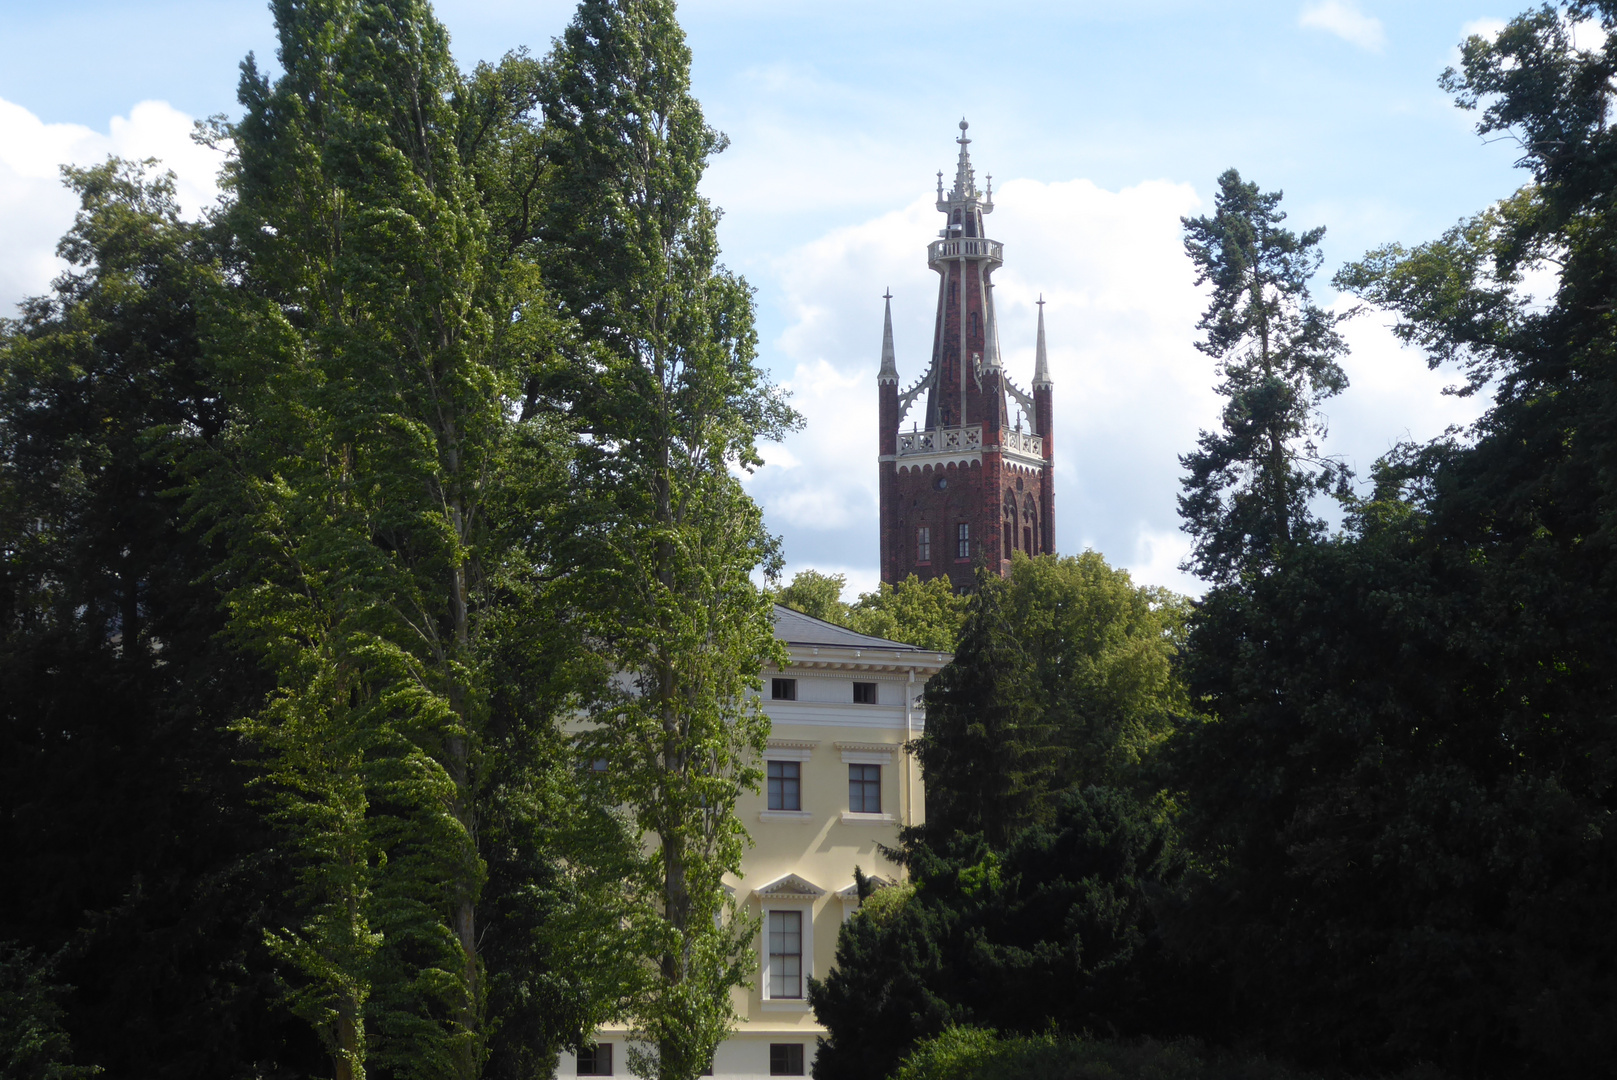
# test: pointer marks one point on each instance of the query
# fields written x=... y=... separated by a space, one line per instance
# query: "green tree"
x=1054 y=931
x=915 y=612
x=1246 y=495
x=816 y=594
x=33 y=1043
x=1103 y=652
x=925 y=613
x=988 y=755
x=384 y=486
x=134 y=859
x=1402 y=788
x=1063 y=675
x=671 y=403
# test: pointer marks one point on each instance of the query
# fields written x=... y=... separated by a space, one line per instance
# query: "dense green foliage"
x=1404 y=791
x=309 y=512
x=1390 y=782
x=1055 y=928
x=1062 y=676
x=343 y=533
x=669 y=401
x=134 y=858
x=966 y=1053
x=916 y=612
x=1034 y=875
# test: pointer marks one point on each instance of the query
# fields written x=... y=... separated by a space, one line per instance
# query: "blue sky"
x=1101 y=124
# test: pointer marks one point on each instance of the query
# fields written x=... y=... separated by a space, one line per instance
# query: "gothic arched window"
x=1010 y=525
x=1030 y=527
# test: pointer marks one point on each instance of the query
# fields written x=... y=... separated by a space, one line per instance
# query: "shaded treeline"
x=1379 y=835
x=323 y=520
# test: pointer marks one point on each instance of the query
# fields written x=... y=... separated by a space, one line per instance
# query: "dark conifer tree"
x=988 y=755
x=1246 y=495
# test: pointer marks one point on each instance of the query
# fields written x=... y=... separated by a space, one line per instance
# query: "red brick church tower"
x=972 y=478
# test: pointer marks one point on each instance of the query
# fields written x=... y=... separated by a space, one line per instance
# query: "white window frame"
x=805 y=907
x=788 y=750
x=871 y=754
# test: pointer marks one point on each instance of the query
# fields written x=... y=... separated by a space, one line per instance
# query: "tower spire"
x=1041 y=361
x=889 y=363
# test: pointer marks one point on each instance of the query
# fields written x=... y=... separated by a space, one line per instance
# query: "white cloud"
x=1484 y=28
x=1344 y=19
x=35 y=209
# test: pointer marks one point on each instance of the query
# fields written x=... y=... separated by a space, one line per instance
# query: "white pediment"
x=851 y=892
x=790 y=887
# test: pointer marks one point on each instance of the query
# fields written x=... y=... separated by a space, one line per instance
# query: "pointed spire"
x=889 y=363
x=1041 y=361
x=965 y=184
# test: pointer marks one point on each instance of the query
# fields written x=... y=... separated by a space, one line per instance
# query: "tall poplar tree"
x=383 y=490
x=672 y=404
x=1246 y=495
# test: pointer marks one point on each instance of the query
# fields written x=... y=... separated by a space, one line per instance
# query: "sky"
x=1102 y=125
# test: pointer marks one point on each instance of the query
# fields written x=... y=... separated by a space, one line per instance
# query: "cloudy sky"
x=1102 y=124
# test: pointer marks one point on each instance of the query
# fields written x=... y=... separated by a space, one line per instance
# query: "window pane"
x=785 y=1059
x=785 y=785
x=783 y=689
x=864 y=693
x=864 y=789
x=786 y=954
x=595 y=1060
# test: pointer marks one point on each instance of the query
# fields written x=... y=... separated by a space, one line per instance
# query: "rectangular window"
x=785 y=785
x=595 y=1060
x=786 y=954
x=923 y=545
x=783 y=689
x=963 y=541
x=785 y=1059
x=864 y=693
x=864 y=789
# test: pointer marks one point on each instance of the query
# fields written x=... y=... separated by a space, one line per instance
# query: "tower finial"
x=1041 y=361
x=889 y=363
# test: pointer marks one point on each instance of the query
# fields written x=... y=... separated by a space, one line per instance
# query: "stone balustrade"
x=970 y=247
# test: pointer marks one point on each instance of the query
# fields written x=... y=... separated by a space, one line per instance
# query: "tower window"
x=1027 y=539
x=923 y=545
x=783 y=689
x=973 y=324
x=963 y=541
x=786 y=785
x=864 y=693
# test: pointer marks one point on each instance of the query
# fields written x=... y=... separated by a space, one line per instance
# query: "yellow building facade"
x=838 y=786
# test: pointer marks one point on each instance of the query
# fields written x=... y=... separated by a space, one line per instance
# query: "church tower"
x=972 y=477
